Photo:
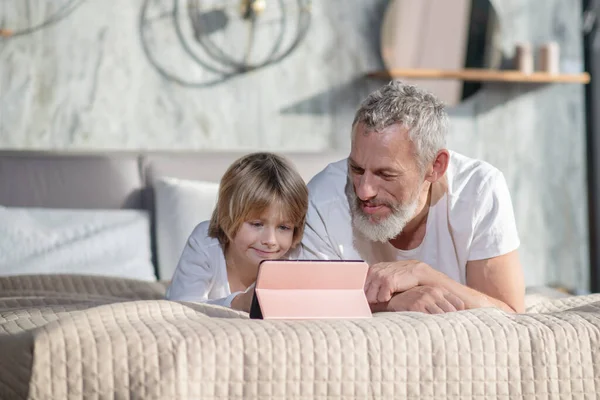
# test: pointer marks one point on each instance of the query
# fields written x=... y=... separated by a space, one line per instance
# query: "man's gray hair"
x=417 y=110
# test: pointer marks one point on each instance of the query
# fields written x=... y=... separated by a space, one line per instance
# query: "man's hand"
x=385 y=279
x=425 y=299
x=494 y=282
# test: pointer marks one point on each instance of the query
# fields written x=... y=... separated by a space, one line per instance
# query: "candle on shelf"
x=524 y=58
x=549 y=58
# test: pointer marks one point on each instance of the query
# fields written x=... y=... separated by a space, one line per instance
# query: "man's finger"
x=445 y=305
x=372 y=292
x=369 y=278
x=385 y=292
x=372 y=283
x=455 y=301
x=433 y=309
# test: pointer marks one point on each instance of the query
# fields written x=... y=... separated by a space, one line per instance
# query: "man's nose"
x=365 y=188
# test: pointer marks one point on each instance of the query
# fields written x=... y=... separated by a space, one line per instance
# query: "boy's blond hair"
x=249 y=186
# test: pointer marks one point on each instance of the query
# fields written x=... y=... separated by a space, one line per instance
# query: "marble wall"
x=536 y=135
x=86 y=83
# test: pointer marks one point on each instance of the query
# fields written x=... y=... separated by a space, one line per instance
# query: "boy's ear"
x=229 y=237
x=296 y=241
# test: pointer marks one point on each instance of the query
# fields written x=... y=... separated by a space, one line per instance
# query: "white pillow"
x=62 y=241
x=180 y=206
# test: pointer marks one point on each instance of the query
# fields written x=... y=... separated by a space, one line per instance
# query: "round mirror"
x=441 y=35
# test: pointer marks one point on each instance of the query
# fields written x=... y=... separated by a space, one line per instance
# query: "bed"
x=80 y=333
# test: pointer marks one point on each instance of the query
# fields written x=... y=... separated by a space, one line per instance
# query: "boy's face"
x=265 y=238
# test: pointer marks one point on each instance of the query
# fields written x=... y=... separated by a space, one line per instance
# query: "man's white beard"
x=380 y=229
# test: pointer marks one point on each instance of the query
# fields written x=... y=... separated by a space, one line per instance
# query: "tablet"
x=315 y=289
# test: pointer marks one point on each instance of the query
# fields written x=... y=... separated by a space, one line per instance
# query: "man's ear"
x=439 y=166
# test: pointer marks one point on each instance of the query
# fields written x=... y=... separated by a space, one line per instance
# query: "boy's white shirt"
x=201 y=274
x=473 y=219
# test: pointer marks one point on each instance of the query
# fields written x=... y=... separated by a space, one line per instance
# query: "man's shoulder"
x=480 y=209
x=469 y=176
x=330 y=183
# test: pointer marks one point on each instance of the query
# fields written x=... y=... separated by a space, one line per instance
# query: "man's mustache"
x=376 y=203
x=372 y=203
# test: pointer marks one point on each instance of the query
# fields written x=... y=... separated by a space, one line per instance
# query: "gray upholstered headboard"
x=62 y=180
x=117 y=179
x=114 y=180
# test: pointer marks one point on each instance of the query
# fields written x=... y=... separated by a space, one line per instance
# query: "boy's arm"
x=193 y=277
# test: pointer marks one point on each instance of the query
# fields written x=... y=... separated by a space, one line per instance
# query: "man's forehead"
x=380 y=162
x=394 y=128
x=386 y=148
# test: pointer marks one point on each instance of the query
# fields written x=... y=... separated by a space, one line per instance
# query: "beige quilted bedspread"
x=77 y=337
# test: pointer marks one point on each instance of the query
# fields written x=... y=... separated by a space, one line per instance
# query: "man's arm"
x=493 y=282
x=425 y=299
x=494 y=276
x=501 y=279
x=493 y=268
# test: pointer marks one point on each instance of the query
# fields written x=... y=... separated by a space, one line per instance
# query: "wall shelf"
x=482 y=75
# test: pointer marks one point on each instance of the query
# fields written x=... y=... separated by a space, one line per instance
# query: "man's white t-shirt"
x=472 y=219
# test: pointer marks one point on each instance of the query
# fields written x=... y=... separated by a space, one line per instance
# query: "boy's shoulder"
x=200 y=235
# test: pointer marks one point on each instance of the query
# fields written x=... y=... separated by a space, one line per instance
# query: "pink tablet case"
x=312 y=289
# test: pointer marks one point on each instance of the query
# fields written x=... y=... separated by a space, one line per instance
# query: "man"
x=436 y=227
